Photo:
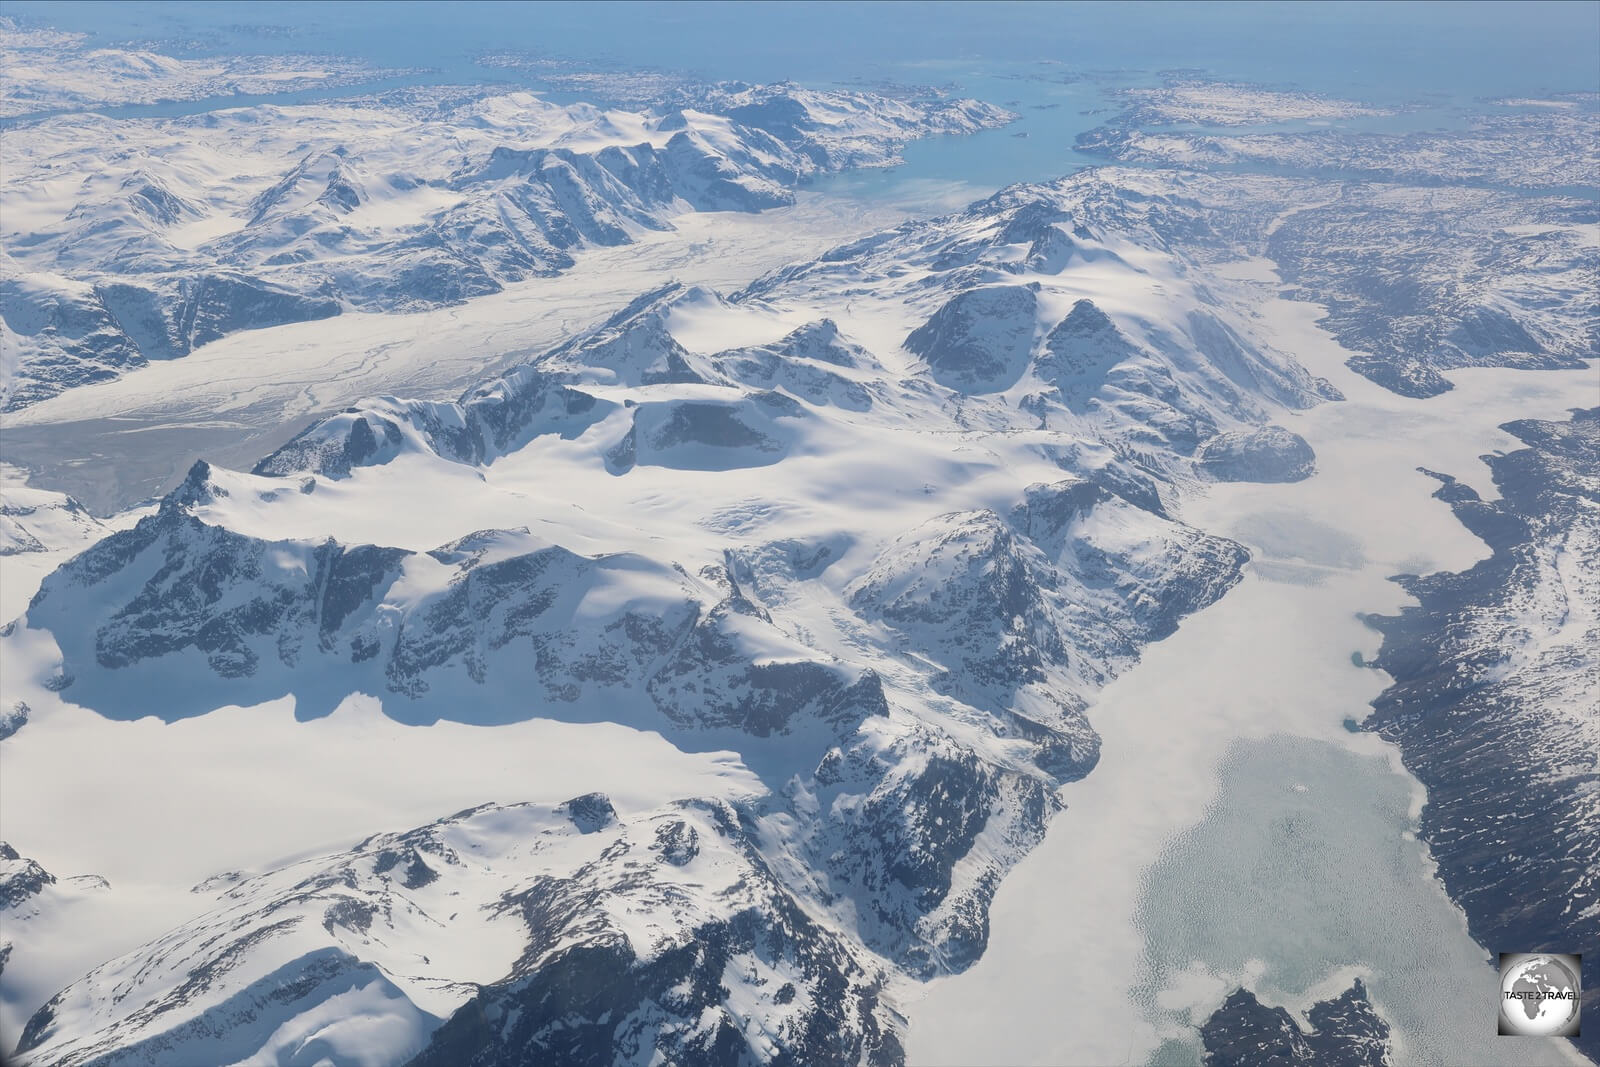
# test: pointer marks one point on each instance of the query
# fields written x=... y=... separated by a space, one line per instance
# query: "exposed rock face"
x=1346 y=1032
x=753 y=430
x=489 y=421
x=601 y=1001
x=71 y=333
x=20 y=878
x=979 y=342
x=1266 y=454
x=591 y=812
x=21 y=882
x=169 y=318
x=1493 y=704
x=258 y=610
x=1457 y=293
x=1047 y=597
x=14 y=718
x=634 y=346
x=1080 y=350
x=803 y=364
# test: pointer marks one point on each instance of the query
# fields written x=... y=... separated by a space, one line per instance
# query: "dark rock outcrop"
x=980 y=340
x=1267 y=454
x=1346 y=1032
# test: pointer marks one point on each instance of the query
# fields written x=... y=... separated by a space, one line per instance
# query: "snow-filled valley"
x=636 y=605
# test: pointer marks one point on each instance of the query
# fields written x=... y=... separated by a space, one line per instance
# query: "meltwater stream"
x=1235 y=832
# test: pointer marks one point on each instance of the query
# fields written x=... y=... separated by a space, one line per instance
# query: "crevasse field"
x=694 y=534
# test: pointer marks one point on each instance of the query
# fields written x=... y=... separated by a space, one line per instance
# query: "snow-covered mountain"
x=882 y=524
x=666 y=933
x=38 y=521
x=39 y=530
x=861 y=543
x=189 y=229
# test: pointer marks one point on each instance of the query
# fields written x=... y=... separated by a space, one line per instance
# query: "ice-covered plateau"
x=1516 y=144
x=882 y=524
x=131 y=240
x=1186 y=100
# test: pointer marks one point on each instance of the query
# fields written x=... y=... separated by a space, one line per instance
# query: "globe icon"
x=1538 y=996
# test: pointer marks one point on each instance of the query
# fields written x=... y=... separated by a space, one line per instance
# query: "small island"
x=1346 y=1032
